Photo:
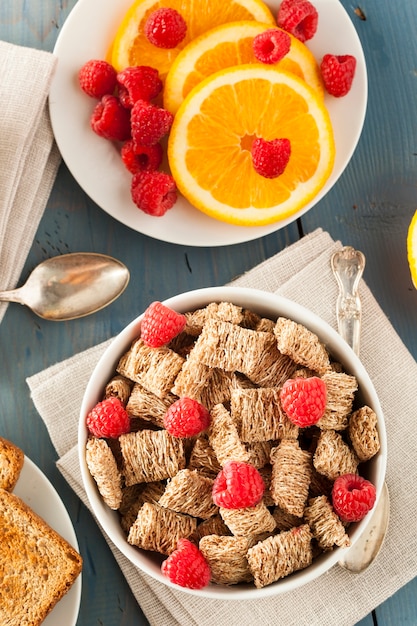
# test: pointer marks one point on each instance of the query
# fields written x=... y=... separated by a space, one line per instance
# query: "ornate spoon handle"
x=348 y=265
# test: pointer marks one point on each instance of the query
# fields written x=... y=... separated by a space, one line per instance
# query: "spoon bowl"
x=70 y=286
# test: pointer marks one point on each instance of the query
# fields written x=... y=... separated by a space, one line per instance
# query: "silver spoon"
x=348 y=265
x=71 y=285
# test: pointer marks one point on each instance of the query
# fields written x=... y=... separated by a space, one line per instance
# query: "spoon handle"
x=14 y=295
x=348 y=265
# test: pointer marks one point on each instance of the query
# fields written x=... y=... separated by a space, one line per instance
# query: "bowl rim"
x=268 y=304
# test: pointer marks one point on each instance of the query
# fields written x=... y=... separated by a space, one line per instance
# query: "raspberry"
x=352 y=496
x=165 y=28
x=149 y=123
x=304 y=400
x=141 y=158
x=298 y=17
x=238 y=486
x=186 y=566
x=270 y=158
x=186 y=418
x=338 y=73
x=108 y=418
x=111 y=120
x=160 y=324
x=272 y=45
x=138 y=83
x=97 y=78
x=154 y=192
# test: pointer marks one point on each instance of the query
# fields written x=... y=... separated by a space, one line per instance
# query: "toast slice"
x=37 y=566
x=11 y=463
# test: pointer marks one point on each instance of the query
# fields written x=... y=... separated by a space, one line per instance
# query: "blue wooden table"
x=370 y=208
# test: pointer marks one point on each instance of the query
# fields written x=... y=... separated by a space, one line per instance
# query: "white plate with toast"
x=36 y=491
x=96 y=164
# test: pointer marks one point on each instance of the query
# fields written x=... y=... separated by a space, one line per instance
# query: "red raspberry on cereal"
x=139 y=83
x=111 y=120
x=186 y=417
x=149 y=123
x=304 y=400
x=338 y=72
x=298 y=17
x=160 y=324
x=165 y=28
x=186 y=566
x=272 y=45
x=141 y=158
x=239 y=485
x=153 y=192
x=97 y=78
x=352 y=497
x=270 y=158
x=108 y=418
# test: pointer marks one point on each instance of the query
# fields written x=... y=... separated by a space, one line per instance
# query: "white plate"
x=96 y=165
x=37 y=492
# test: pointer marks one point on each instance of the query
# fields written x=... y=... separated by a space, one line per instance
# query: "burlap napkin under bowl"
x=302 y=273
x=29 y=157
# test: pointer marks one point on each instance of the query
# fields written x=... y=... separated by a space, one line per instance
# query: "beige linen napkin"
x=29 y=158
x=301 y=272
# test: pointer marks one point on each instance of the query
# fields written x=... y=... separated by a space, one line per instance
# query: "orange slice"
x=131 y=47
x=412 y=249
x=209 y=147
x=225 y=46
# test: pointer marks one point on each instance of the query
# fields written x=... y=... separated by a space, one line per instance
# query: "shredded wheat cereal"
x=234 y=362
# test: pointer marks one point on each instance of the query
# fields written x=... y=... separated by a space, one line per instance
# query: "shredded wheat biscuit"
x=11 y=463
x=271 y=367
x=207 y=385
x=327 y=528
x=319 y=484
x=266 y=473
x=264 y=325
x=133 y=499
x=119 y=387
x=225 y=311
x=190 y=492
x=259 y=453
x=333 y=457
x=154 y=368
x=218 y=389
x=363 y=433
x=226 y=557
x=159 y=529
x=285 y=520
x=302 y=345
x=340 y=392
x=280 y=555
x=203 y=458
x=151 y=455
x=291 y=475
x=252 y=520
x=230 y=347
x=259 y=416
x=211 y=526
x=103 y=468
x=325 y=524
x=147 y=406
x=224 y=438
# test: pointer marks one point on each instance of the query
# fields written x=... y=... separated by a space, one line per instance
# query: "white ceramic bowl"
x=268 y=305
